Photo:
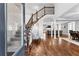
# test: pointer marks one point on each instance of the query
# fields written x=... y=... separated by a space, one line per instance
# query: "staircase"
x=34 y=19
x=38 y=15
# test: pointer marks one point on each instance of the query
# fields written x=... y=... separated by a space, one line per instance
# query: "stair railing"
x=39 y=14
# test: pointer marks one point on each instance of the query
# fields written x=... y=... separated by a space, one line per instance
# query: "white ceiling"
x=73 y=13
x=49 y=18
x=60 y=11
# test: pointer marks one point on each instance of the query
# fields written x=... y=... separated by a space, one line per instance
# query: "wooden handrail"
x=31 y=19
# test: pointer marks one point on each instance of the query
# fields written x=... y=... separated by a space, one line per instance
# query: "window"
x=14 y=28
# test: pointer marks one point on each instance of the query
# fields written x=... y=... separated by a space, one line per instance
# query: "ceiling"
x=73 y=13
x=65 y=11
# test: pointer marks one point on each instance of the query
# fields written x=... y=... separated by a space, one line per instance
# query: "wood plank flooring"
x=52 y=47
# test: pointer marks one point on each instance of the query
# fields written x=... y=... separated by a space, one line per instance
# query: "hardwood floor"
x=52 y=47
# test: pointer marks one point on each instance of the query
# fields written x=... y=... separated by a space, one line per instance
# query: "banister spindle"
x=44 y=10
x=36 y=15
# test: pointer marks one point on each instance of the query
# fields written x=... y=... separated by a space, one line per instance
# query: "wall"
x=77 y=26
x=71 y=25
x=37 y=30
x=2 y=29
x=65 y=28
x=41 y=34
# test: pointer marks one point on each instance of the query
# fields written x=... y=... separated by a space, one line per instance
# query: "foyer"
x=51 y=35
x=39 y=29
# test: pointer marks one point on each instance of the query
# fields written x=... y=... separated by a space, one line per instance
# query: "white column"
x=42 y=30
x=51 y=30
x=44 y=33
x=69 y=28
x=58 y=30
x=54 y=29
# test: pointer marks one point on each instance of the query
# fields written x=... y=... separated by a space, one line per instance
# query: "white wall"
x=65 y=28
x=77 y=25
x=37 y=30
x=70 y=26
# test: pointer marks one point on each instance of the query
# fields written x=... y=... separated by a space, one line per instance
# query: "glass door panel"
x=13 y=28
